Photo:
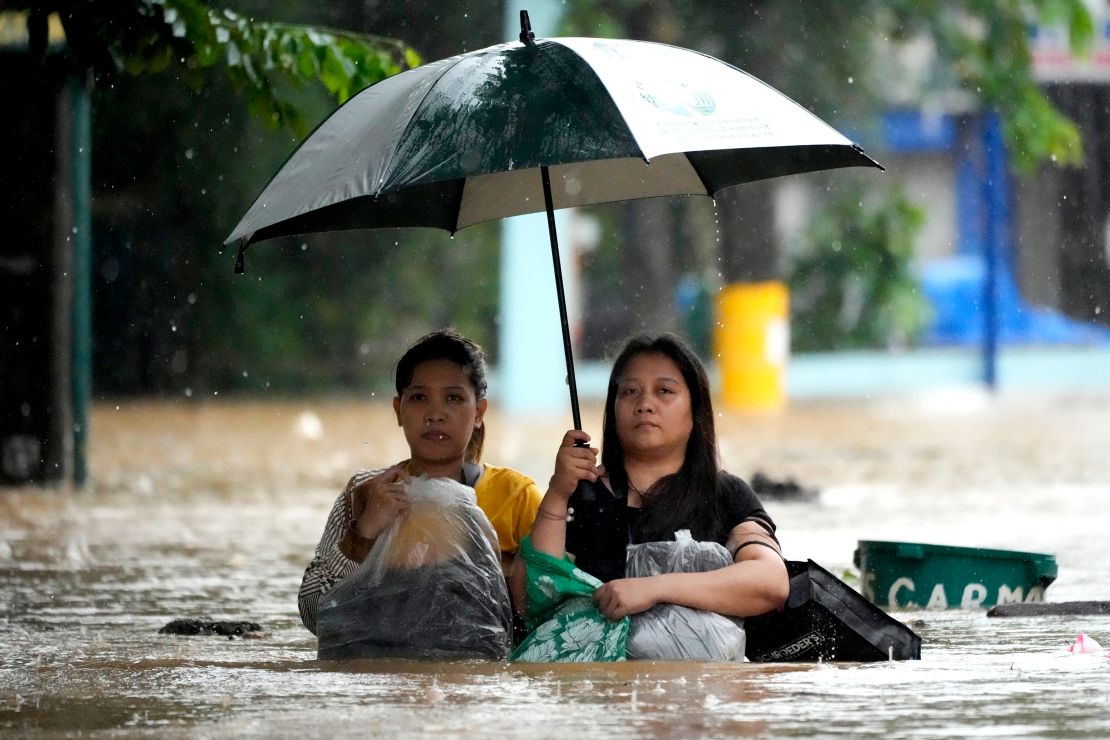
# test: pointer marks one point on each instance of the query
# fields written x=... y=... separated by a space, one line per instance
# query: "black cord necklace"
x=633 y=489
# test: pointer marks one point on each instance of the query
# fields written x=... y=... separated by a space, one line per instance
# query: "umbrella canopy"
x=539 y=125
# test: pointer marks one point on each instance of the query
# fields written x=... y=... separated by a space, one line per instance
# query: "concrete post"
x=531 y=366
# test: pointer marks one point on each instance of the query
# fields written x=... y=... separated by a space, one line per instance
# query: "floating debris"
x=1050 y=609
x=782 y=490
x=209 y=627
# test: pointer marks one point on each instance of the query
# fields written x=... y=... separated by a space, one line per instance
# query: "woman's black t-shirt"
x=603 y=524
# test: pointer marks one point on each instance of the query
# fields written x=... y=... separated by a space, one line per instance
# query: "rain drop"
x=434 y=693
x=309 y=425
x=188 y=392
x=188 y=153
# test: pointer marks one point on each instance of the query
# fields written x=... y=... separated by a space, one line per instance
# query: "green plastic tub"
x=912 y=575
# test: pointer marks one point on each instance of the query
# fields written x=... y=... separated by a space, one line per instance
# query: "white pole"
x=531 y=366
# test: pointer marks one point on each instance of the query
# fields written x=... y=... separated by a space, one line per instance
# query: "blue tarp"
x=954 y=287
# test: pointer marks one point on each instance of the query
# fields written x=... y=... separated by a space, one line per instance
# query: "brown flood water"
x=212 y=509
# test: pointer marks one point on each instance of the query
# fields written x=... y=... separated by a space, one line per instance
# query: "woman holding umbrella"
x=440 y=405
x=660 y=474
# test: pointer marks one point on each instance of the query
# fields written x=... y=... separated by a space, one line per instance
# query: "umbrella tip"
x=526 y=36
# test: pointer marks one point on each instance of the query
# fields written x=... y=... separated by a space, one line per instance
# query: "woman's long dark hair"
x=687 y=499
x=448 y=344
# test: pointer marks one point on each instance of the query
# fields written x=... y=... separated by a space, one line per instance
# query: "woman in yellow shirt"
x=440 y=405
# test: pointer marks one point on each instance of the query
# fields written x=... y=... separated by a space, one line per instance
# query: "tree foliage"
x=837 y=59
x=170 y=182
x=175 y=166
x=848 y=62
x=852 y=286
x=985 y=46
x=187 y=37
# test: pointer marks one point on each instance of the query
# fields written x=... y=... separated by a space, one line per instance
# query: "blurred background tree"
x=187 y=37
x=178 y=157
x=851 y=284
x=847 y=62
x=195 y=106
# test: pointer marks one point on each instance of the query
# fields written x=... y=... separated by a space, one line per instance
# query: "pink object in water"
x=1086 y=646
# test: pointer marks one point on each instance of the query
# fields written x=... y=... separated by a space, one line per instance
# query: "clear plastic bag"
x=673 y=632
x=431 y=587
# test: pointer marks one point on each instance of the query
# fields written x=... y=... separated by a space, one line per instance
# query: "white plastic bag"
x=431 y=587
x=673 y=632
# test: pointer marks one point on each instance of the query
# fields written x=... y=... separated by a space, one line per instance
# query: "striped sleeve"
x=329 y=565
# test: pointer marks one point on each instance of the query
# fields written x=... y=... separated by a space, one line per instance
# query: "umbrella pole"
x=557 y=263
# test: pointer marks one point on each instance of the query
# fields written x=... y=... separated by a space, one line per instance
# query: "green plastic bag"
x=564 y=623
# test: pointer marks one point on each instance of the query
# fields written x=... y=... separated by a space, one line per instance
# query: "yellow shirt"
x=510 y=499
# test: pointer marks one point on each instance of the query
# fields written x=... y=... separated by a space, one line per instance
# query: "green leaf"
x=306 y=63
x=234 y=56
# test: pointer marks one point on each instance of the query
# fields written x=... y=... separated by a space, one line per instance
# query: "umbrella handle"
x=558 y=265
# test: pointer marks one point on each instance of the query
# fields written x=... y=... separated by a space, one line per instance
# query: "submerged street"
x=212 y=510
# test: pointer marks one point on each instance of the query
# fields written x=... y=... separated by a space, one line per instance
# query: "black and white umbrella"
x=538 y=125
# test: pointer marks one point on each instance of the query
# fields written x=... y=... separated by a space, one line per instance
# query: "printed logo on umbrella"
x=678 y=98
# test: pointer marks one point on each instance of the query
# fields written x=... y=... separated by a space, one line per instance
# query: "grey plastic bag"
x=431 y=587
x=673 y=632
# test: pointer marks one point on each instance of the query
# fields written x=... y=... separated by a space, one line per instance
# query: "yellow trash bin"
x=753 y=344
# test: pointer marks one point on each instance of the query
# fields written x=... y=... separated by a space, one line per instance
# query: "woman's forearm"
x=549 y=531
x=744 y=589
